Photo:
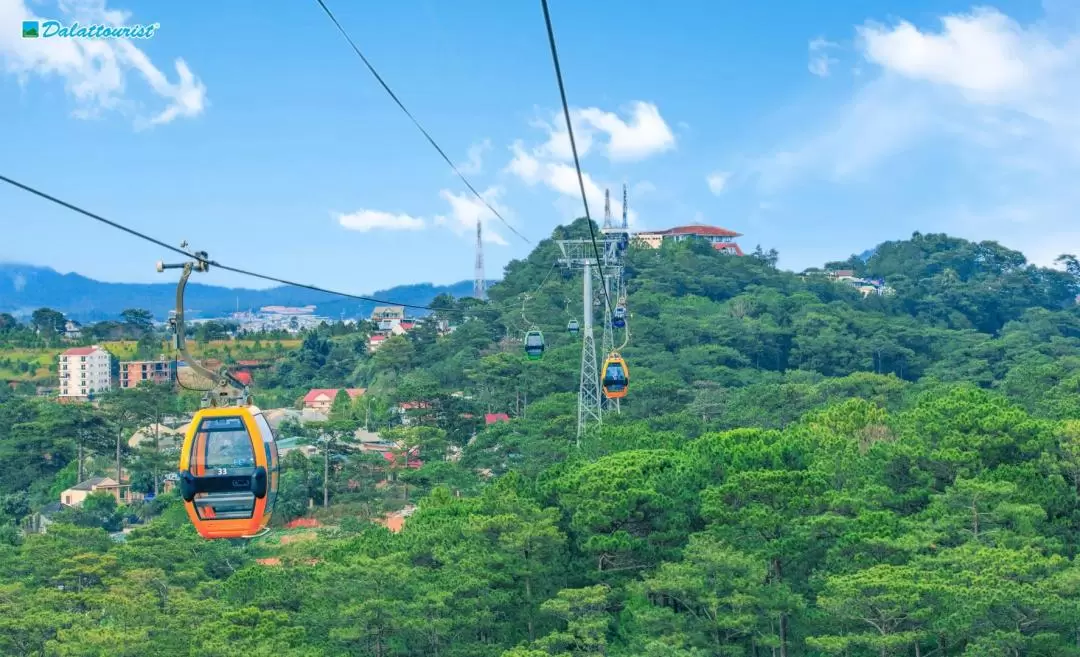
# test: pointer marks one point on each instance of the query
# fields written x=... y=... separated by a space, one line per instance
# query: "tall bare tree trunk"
x=119 y=469
x=157 y=450
x=80 y=474
x=326 y=475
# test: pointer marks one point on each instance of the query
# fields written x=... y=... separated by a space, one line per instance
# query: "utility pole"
x=479 y=284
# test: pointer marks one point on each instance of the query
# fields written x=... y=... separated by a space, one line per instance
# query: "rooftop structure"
x=722 y=239
x=133 y=372
x=380 y=313
x=492 y=418
x=321 y=399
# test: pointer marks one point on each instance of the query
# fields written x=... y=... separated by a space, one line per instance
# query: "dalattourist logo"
x=52 y=29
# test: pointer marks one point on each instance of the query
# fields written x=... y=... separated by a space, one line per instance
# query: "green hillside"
x=797 y=470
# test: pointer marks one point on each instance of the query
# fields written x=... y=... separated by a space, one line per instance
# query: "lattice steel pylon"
x=577 y=254
x=589 y=388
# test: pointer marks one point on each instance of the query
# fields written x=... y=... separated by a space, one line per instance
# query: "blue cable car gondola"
x=618 y=317
x=534 y=344
x=572 y=327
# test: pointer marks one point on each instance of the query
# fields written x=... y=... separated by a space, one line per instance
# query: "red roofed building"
x=321 y=399
x=374 y=341
x=84 y=371
x=492 y=418
x=395 y=459
x=243 y=377
x=414 y=410
x=722 y=239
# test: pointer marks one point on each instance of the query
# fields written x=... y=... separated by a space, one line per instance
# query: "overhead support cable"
x=197 y=256
x=427 y=135
x=573 y=149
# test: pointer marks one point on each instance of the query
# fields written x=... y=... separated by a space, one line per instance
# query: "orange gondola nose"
x=616 y=379
x=229 y=472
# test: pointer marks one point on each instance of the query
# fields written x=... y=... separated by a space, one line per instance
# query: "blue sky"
x=818 y=129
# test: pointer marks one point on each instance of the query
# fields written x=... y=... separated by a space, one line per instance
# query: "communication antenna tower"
x=478 y=273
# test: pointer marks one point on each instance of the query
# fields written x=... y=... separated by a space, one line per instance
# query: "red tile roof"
x=728 y=246
x=243 y=377
x=407 y=325
x=492 y=418
x=413 y=462
x=377 y=338
x=80 y=351
x=315 y=393
x=700 y=229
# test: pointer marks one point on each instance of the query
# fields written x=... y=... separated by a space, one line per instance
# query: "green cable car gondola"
x=572 y=327
x=534 y=344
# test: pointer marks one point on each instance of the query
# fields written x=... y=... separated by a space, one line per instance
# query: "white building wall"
x=82 y=375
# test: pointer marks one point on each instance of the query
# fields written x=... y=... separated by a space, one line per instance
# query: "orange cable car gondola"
x=616 y=376
x=229 y=460
x=229 y=472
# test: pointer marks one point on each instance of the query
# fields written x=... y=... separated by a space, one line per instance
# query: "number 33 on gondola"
x=229 y=472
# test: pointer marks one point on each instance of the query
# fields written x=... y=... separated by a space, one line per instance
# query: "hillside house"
x=722 y=239
x=134 y=372
x=866 y=286
x=72 y=330
x=492 y=418
x=387 y=317
x=401 y=328
x=395 y=521
x=375 y=341
x=410 y=412
x=78 y=493
x=321 y=399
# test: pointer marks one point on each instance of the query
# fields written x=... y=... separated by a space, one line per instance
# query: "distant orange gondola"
x=616 y=377
x=229 y=472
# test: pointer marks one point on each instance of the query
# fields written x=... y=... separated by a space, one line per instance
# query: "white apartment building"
x=83 y=371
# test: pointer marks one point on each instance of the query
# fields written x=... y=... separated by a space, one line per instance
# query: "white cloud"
x=562 y=178
x=475 y=162
x=96 y=71
x=820 y=61
x=985 y=54
x=980 y=100
x=557 y=145
x=642 y=188
x=644 y=135
x=466 y=210
x=717 y=182
x=367 y=220
x=550 y=164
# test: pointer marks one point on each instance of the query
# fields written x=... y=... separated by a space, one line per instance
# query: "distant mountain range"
x=25 y=288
